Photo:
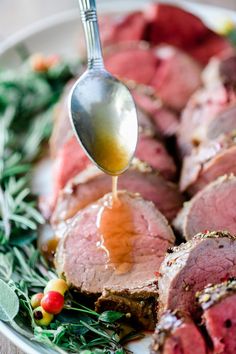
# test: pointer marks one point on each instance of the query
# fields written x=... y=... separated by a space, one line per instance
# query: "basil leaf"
x=9 y=302
x=110 y=316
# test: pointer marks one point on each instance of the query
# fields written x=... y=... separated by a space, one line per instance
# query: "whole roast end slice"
x=213 y=208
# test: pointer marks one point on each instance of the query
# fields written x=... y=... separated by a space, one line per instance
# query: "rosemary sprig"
x=27 y=99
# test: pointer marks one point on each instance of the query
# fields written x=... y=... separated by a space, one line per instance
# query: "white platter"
x=61 y=34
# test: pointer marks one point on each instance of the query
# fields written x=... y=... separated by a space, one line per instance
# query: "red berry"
x=53 y=302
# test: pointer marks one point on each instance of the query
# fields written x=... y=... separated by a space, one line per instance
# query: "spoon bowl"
x=105 y=120
x=102 y=110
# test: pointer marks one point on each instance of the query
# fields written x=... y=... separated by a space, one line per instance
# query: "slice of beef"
x=203 y=110
x=70 y=160
x=148 y=150
x=154 y=153
x=177 y=334
x=84 y=263
x=62 y=131
x=218 y=303
x=211 y=110
x=213 y=208
x=146 y=125
x=208 y=162
x=165 y=120
x=207 y=258
x=221 y=70
x=160 y=67
x=93 y=184
x=212 y=45
x=168 y=23
x=175 y=67
x=122 y=28
x=225 y=123
x=119 y=60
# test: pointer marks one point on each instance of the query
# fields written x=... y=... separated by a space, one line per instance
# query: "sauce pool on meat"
x=115 y=220
x=117 y=229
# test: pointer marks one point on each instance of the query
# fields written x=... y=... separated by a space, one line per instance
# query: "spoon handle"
x=90 y=24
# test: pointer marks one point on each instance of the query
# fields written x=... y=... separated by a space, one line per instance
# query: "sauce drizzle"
x=114 y=188
x=116 y=226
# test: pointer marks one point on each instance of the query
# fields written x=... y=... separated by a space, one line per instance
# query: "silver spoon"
x=102 y=110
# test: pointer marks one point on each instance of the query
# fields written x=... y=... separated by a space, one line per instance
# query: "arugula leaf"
x=9 y=302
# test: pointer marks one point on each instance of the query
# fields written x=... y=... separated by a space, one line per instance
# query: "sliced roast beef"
x=146 y=126
x=188 y=268
x=153 y=152
x=221 y=70
x=168 y=23
x=213 y=208
x=83 y=261
x=225 y=123
x=70 y=160
x=211 y=110
x=160 y=67
x=208 y=162
x=119 y=60
x=164 y=23
x=177 y=334
x=165 y=120
x=174 y=67
x=212 y=45
x=122 y=28
x=148 y=150
x=218 y=303
x=199 y=119
x=93 y=184
x=62 y=131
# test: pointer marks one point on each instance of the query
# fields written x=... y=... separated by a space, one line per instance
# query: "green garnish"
x=27 y=99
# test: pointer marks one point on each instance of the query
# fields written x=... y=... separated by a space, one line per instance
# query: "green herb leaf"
x=23 y=238
x=6 y=266
x=110 y=316
x=27 y=100
x=9 y=302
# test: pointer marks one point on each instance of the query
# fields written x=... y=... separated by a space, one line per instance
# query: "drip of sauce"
x=116 y=226
x=114 y=188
